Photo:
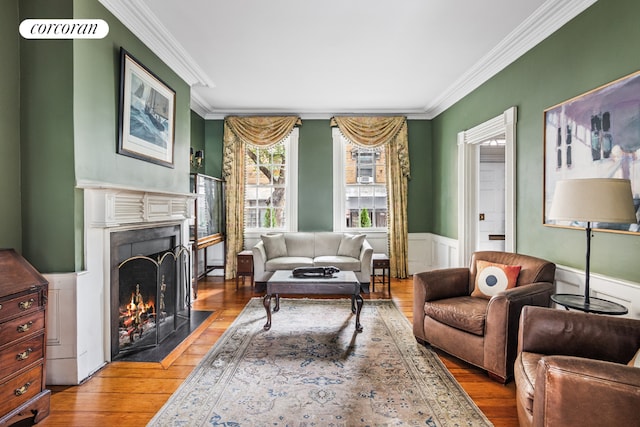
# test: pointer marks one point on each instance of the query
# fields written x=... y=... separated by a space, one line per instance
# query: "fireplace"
x=150 y=288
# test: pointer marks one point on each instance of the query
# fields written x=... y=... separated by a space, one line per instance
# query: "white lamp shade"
x=593 y=199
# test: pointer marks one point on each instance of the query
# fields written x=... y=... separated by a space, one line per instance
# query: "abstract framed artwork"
x=594 y=135
x=147 y=114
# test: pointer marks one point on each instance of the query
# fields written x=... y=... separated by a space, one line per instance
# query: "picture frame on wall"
x=146 y=114
x=594 y=135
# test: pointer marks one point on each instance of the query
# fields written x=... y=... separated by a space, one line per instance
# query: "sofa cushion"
x=351 y=244
x=326 y=243
x=288 y=263
x=274 y=245
x=342 y=262
x=493 y=277
x=464 y=313
x=300 y=244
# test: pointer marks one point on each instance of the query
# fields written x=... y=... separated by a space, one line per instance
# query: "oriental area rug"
x=312 y=369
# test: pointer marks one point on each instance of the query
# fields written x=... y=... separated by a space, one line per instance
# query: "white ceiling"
x=325 y=57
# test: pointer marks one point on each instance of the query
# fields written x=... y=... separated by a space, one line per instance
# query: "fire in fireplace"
x=150 y=288
x=137 y=317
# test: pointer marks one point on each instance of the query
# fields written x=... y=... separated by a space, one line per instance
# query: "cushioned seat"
x=288 y=263
x=472 y=313
x=571 y=369
x=464 y=313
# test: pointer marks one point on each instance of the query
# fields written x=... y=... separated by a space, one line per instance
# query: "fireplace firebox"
x=150 y=288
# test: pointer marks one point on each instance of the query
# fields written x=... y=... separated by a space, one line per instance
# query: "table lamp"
x=607 y=200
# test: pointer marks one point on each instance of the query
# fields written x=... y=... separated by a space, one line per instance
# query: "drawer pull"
x=24 y=355
x=25 y=327
x=25 y=305
x=22 y=390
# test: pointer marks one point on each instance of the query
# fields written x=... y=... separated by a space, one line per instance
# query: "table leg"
x=359 y=301
x=267 y=306
x=277 y=307
x=353 y=304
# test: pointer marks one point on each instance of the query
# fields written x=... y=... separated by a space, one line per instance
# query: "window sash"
x=344 y=211
x=255 y=215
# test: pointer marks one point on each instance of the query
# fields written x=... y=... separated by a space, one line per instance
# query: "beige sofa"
x=286 y=251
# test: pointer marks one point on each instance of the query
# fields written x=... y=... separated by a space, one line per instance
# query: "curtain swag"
x=239 y=131
x=392 y=133
x=376 y=131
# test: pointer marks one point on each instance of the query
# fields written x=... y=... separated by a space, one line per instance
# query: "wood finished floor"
x=130 y=393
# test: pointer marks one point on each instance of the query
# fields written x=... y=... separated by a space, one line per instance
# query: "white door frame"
x=468 y=166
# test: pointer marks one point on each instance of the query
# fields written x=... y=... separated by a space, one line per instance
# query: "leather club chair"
x=571 y=369
x=480 y=331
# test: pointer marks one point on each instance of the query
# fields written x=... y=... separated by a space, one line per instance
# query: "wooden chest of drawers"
x=23 y=299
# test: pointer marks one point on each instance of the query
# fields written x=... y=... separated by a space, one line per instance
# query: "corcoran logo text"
x=64 y=29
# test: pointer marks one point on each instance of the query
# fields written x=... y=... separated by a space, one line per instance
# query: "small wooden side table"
x=245 y=266
x=380 y=262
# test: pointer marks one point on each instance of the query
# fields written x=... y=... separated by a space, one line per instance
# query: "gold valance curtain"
x=239 y=131
x=392 y=133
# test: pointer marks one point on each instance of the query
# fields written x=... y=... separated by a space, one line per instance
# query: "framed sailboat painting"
x=147 y=113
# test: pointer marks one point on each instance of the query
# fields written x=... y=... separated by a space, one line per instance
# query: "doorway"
x=491 y=190
x=469 y=151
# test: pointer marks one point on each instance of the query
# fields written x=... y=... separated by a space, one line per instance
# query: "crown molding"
x=315 y=115
x=141 y=21
x=199 y=105
x=547 y=19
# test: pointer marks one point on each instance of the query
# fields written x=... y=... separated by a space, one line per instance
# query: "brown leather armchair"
x=483 y=332
x=571 y=369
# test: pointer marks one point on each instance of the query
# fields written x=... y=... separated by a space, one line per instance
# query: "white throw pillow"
x=274 y=245
x=350 y=245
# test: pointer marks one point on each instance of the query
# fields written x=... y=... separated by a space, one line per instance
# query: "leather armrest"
x=570 y=391
x=571 y=333
x=433 y=285
x=501 y=326
x=440 y=284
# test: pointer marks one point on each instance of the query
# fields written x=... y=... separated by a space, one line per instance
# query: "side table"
x=595 y=305
x=244 y=266
x=380 y=262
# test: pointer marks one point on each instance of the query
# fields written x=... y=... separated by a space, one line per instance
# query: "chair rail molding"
x=571 y=281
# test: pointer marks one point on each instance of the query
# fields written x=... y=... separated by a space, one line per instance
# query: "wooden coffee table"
x=342 y=283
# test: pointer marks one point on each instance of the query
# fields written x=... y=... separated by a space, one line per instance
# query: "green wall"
x=96 y=66
x=597 y=47
x=213 y=134
x=315 y=172
x=47 y=155
x=315 y=176
x=69 y=94
x=10 y=211
x=197 y=137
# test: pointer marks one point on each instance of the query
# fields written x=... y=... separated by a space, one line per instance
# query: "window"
x=271 y=186
x=360 y=190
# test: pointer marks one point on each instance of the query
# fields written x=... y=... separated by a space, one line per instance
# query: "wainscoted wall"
x=571 y=281
x=430 y=251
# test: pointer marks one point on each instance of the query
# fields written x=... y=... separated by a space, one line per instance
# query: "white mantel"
x=78 y=336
